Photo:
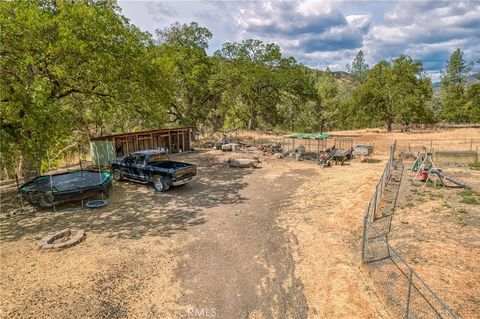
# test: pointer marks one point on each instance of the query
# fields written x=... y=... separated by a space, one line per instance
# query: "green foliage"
x=257 y=79
x=185 y=36
x=359 y=68
x=72 y=70
x=392 y=93
x=469 y=197
x=327 y=99
x=472 y=105
x=475 y=166
x=470 y=201
x=459 y=104
x=181 y=54
x=456 y=70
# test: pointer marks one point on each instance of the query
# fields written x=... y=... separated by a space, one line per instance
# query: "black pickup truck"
x=153 y=166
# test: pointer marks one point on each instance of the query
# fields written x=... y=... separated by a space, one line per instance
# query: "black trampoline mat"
x=68 y=181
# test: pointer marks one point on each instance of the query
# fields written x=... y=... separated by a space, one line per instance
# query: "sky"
x=323 y=34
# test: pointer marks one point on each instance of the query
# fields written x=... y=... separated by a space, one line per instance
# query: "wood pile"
x=270 y=149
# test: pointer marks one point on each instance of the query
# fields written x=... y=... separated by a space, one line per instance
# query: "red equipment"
x=423 y=176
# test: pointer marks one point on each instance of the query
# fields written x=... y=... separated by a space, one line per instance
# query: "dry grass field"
x=438 y=230
x=279 y=241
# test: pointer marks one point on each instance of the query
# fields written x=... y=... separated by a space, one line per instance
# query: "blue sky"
x=324 y=34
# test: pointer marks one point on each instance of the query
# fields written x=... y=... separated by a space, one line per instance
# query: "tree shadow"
x=137 y=210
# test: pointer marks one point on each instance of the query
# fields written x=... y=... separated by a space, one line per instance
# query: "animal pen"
x=308 y=145
x=311 y=145
x=173 y=140
x=443 y=150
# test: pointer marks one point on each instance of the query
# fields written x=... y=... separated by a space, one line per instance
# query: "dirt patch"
x=126 y=267
x=324 y=219
x=211 y=245
x=240 y=263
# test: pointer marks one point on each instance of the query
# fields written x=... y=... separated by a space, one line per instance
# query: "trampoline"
x=55 y=189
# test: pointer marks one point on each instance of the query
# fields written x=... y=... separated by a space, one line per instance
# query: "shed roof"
x=163 y=130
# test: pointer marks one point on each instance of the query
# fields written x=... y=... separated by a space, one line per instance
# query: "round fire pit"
x=62 y=239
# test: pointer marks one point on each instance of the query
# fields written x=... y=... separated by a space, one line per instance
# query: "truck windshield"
x=158 y=157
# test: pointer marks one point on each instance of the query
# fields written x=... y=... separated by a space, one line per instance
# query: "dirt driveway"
x=275 y=242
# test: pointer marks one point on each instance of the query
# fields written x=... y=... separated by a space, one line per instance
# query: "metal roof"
x=162 y=130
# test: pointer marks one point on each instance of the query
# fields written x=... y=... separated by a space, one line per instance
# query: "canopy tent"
x=313 y=136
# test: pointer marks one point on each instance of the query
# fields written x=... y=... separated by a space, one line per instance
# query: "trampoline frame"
x=52 y=198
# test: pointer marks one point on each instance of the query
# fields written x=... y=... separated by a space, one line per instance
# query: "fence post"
x=369 y=207
x=364 y=239
x=385 y=178
x=381 y=185
x=409 y=291
x=382 y=180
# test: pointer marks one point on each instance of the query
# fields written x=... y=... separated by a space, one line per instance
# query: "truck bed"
x=169 y=164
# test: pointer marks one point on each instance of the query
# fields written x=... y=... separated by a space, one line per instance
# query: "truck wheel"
x=159 y=184
x=46 y=201
x=117 y=174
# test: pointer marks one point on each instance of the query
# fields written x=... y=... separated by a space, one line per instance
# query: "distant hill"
x=341 y=75
x=471 y=79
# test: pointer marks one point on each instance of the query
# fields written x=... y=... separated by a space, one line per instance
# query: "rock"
x=242 y=163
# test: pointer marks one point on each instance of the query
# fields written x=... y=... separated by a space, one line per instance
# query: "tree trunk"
x=389 y=126
x=27 y=169
x=252 y=120
x=6 y=175
x=217 y=123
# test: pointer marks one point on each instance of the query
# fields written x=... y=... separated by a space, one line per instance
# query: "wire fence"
x=438 y=145
x=405 y=293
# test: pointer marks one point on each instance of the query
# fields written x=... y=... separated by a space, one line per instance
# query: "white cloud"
x=429 y=31
x=329 y=33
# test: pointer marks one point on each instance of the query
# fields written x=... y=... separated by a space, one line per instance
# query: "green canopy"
x=314 y=136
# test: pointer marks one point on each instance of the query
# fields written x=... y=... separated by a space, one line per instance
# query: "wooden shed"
x=173 y=140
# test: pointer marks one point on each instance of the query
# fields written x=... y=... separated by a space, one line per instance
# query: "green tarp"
x=315 y=136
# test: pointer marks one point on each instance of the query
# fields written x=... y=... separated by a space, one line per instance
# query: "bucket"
x=423 y=176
